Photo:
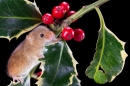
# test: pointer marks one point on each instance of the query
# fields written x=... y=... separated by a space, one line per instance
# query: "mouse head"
x=40 y=35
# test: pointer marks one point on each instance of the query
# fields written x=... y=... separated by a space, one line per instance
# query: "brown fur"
x=26 y=55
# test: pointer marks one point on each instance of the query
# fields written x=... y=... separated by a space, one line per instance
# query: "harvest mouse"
x=26 y=55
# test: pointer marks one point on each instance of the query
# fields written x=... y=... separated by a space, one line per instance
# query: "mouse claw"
x=41 y=56
x=18 y=79
x=56 y=40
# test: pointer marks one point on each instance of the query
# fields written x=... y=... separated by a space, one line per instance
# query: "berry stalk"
x=78 y=14
x=86 y=9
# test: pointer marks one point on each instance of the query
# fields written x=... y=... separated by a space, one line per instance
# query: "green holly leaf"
x=75 y=81
x=17 y=17
x=109 y=57
x=59 y=66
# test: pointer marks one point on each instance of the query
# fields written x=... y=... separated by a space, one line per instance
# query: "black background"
x=115 y=13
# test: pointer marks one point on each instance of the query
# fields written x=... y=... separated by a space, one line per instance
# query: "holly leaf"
x=59 y=66
x=17 y=17
x=76 y=82
x=25 y=83
x=109 y=58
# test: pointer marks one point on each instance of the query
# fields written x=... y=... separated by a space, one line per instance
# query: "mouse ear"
x=29 y=38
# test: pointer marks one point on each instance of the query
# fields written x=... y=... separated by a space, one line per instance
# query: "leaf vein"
x=100 y=79
x=19 y=8
x=108 y=62
x=113 y=57
x=99 y=46
x=112 y=42
x=16 y=17
x=4 y=12
x=8 y=8
x=28 y=10
x=58 y=63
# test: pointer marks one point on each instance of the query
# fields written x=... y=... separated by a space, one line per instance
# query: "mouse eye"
x=41 y=35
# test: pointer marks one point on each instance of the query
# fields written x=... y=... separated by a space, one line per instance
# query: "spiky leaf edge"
x=74 y=64
x=27 y=29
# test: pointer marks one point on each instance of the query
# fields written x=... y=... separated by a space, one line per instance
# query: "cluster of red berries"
x=59 y=12
x=68 y=33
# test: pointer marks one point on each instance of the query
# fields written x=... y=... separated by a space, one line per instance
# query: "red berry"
x=66 y=6
x=70 y=13
x=39 y=73
x=58 y=12
x=79 y=34
x=47 y=18
x=67 y=33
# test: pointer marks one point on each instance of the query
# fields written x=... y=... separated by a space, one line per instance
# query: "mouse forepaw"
x=20 y=78
x=41 y=56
